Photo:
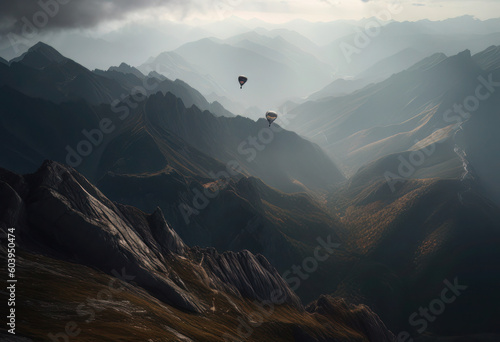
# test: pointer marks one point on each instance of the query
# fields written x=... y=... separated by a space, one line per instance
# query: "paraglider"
x=242 y=80
x=271 y=116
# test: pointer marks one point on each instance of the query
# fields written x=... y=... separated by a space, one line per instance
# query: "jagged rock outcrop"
x=69 y=216
x=64 y=224
x=362 y=317
x=60 y=213
x=248 y=275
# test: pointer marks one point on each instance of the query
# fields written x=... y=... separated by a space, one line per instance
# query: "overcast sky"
x=111 y=13
x=327 y=10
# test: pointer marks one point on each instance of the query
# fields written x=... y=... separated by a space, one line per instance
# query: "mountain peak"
x=167 y=238
x=464 y=17
x=124 y=68
x=465 y=54
x=48 y=51
x=39 y=56
x=461 y=61
x=40 y=45
x=488 y=59
x=439 y=62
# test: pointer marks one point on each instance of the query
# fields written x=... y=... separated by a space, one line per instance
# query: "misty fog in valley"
x=246 y=171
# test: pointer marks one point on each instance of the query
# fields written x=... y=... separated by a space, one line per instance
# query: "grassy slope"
x=49 y=292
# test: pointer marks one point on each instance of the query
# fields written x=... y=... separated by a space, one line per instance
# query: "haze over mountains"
x=224 y=140
x=426 y=107
x=307 y=46
x=394 y=48
x=392 y=173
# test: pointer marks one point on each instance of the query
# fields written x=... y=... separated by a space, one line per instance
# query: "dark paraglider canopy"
x=242 y=80
x=271 y=116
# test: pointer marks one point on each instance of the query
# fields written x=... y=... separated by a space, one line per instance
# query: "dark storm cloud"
x=53 y=14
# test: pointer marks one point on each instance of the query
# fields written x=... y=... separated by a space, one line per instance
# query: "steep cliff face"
x=248 y=275
x=64 y=225
x=68 y=215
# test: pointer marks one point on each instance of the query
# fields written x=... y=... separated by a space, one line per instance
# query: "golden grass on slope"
x=372 y=215
x=53 y=294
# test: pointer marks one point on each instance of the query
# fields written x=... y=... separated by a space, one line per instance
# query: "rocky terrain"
x=72 y=241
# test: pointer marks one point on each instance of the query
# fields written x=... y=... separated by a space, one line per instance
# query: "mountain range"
x=424 y=109
x=207 y=208
x=187 y=151
x=116 y=262
x=301 y=65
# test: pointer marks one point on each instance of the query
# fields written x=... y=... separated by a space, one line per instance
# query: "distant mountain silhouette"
x=40 y=56
x=419 y=206
x=489 y=59
x=392 y=65
x=276 y=68
x=174 y=66
x=392 y=116
x=43 y=72
x=127 y=69
x=375 y=73
x=305 y=57
x=134 y=79
x=425 y=37
x=293 y=37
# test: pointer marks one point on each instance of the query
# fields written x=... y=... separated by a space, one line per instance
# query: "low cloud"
x=67 y=14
